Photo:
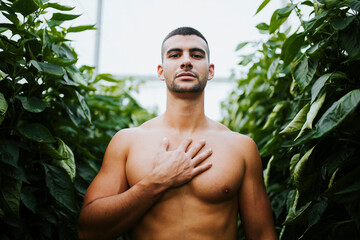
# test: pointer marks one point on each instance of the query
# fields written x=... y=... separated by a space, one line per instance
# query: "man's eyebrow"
x=180 y=50
x=174 y=50
x=197 y=50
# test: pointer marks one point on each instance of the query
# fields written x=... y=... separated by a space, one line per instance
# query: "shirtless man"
x=179 y=175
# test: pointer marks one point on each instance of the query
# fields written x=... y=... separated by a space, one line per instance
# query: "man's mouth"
x=186 y=75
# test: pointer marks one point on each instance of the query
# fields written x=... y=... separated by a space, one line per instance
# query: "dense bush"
x=55 y=121
x=300 y=102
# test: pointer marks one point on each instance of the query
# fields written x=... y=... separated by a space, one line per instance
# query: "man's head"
x=185 y=61
x=184 y=31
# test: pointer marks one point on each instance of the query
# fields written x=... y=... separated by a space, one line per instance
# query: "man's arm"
x=110 y=208
x=254 y=205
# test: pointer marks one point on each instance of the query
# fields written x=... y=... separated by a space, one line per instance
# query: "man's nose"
x=186 y=63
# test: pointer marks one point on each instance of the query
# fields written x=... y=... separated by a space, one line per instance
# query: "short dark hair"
x=184 y=31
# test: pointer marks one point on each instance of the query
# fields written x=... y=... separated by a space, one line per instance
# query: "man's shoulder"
x=134 y=132
x=224 y=131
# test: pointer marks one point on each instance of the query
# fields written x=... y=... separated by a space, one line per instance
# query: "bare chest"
x=219 y=183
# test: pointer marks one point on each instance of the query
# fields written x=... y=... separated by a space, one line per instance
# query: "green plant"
x=300 y=102
x=55 y=121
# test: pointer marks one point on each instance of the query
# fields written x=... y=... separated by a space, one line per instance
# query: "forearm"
x=109 y=217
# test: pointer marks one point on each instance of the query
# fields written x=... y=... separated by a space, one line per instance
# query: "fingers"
x=195 y=149
x=201 y=157
x=164 y=144
x=201 y=168
x=185 y=144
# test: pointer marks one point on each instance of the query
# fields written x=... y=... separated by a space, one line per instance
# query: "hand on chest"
x=216 y=184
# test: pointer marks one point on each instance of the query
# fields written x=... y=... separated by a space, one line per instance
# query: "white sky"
x=132 y=31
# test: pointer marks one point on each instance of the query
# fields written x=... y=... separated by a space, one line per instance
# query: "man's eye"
x=197 y=56
x=174 y=55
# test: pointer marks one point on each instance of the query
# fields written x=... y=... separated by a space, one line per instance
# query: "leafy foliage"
x=300 y=102
x=55 y=121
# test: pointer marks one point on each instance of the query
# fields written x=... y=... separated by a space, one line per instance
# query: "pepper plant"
x=55 y=121
x=299 y=101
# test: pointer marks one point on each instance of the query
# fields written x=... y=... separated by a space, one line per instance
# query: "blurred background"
x=130 y=33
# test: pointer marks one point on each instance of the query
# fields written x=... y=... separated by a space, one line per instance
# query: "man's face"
x=185 y=65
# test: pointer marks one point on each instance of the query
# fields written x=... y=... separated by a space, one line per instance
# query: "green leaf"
x=64 y=17
x=286 y=11
x=272 y=69
x=305 y=71
x=29 y=200
x=9 y=151
x=274 y=115
x=25 y=7
x=279 y=17
x=330 y=3
x=84 y=106
x=337 y=113
x=320 y=83
x=315 y=213
x=291 y=47
x=342 y=23
x=3 y=107
x=48 y=68
x=296 y=124
x=240 y=46
x=68 y=161
x=350 y=39
x=355 y=5
x=36 y=132
x=263 y=4
x=297 y=171
x=315 y=22
x=314 y=109
x=294 y=215
x=263 y=26
x=10 y=190
x=60 y=186
x=32 y=104
x=81 y=28
x=58 y=7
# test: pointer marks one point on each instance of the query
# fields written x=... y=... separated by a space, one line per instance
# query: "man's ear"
x=160 y=72
x=211 y=71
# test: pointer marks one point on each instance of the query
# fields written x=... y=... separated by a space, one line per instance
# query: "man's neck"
x=185 y=112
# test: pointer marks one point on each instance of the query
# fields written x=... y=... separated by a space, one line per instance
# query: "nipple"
x=226 y=189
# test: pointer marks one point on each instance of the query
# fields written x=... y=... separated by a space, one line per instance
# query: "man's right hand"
x=177 y=167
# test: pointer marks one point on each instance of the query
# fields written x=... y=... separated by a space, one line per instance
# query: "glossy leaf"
x=64 y=17
x=350 y=39
x=60 y=187
x=57 y=6
x=3 y=107
x=84 y=106
x=25 y=7
x=291 y=48
x=298 y=169
x=9 y=152
x=314 y=109
x=48 y=68
x=32 y=104
x=262 y=5
x=81 y=28
x=320 y=83
x=337 y=113
x=10 y=191
x=305 y=71
x=68 y=160
x=342 y=23
x=263 y=27
x=36 y=132
x=296 y=124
